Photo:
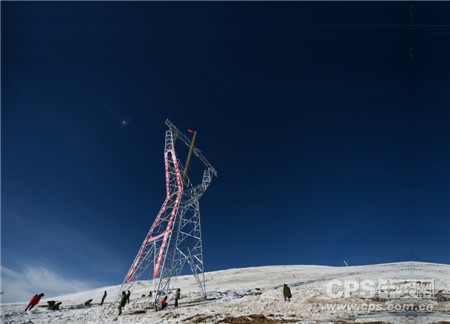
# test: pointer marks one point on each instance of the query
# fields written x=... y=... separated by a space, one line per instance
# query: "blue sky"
x=328 y=124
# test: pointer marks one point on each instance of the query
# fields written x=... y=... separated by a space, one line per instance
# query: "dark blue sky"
x=328 y=124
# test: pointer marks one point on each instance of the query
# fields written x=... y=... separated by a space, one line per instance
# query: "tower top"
x=186 y=141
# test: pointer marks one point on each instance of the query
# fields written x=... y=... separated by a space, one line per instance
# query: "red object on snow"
x=34 y=300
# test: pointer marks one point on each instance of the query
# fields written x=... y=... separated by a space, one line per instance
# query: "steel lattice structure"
x=175 y=237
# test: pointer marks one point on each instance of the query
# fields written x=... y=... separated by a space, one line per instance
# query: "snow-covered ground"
x=407 y=292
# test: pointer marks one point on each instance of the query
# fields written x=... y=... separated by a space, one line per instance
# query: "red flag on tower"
x=191 y=131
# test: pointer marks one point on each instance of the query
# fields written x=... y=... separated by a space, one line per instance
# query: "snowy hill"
x=407 y=292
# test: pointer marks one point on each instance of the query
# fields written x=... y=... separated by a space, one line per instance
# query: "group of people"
x=123 y=301
x=53 y=305
x=163 y=302
x=160 y=306
x=126 y=299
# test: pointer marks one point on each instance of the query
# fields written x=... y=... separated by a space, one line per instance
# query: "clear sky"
x=328 y=124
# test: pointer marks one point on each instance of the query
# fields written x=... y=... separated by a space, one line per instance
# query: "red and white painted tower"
x=175 y=237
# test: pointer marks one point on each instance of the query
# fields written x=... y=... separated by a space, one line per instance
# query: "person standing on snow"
x=177 y=296
x=287 y=293
x=123 y=301
x=34 y=301
x=103 y=298
x=128 y=296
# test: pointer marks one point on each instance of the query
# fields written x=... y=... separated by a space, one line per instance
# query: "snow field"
x=252 y=295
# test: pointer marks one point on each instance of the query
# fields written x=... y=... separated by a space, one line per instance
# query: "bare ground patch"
x=245 y=319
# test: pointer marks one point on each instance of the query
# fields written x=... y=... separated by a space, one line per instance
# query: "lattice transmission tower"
x=175 y=237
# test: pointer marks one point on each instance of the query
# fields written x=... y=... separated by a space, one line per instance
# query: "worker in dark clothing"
x=123 y=302
x=177 y=296
x=128 y=296
x=103 y=298
x=287 y=293
x=34 y=301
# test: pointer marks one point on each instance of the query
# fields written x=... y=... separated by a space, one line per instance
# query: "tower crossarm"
x=194 y=194
x=186 y=141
